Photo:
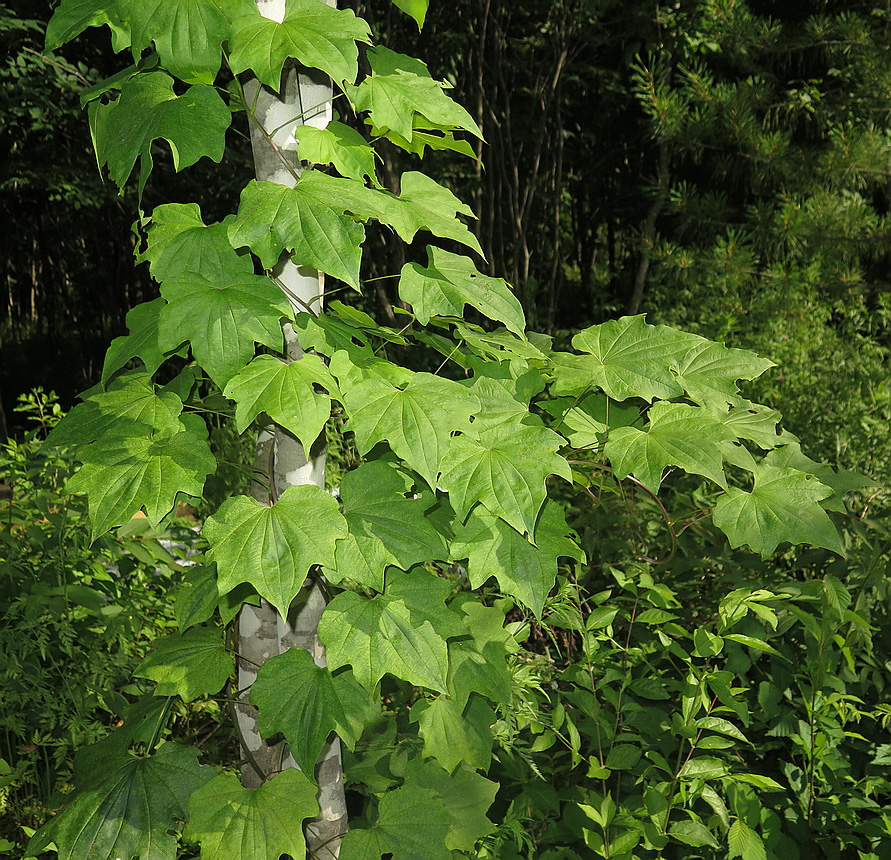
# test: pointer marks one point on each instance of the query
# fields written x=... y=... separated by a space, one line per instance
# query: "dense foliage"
x=566 y=616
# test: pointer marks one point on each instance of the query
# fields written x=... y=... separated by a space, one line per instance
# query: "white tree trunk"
x=282 y=461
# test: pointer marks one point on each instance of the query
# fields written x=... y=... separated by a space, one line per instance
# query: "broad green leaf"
x=130 y=810
x=141 y=343
x=623 y=757
x=179 y=241
x=306 y=703
x=286 y=392
x=386 y=527
x=72 y=17
x=417 y=9
x=745 y=842
x=313 y=33
x=709 y=372
x=524 y=570
x=677 y=435
x=497 y=345
x=274 y=547
x=450 y=282
x=196 y=597
x=273 y=218
x=505 y=471
x=130 y=406
x=478 y=661
x=188 y=34
x=466 y=795
x=725 y=727
x=235 y=823
x=422 y=204
x=755 y=423
x=222 y=320
x=693 y=833
x=416 y=421
x=402 y=632
x=188 y=665
x=398 y=89
x=340 y=145
x=704 y=767
x=626 y=358
x=398 y=830
x=587 y=422
x=122 y=474
x=194 y=124
x=782 y=506
x=453 y=735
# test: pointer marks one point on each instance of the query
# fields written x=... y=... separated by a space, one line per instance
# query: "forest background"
x=724 y=167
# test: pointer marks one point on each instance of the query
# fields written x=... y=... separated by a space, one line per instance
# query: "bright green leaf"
x=417 y=9
x=745 y=842
x=194 y=124
x=189 y=665
x=398 y=831
x=141 y=343
x=285 y=391
x=235 y=823
x=402 y=632
x=129 y=810
x=677 y=435
x=782 y=506
x=709 y=372
x=505 y=471
x=337 y=144
x=524 y=570
x=453 y=735
x=222 y=320
x=196 y=597
x=450 y=282
x=693 y=833
x=274 y=547
x=416 y=421
x=306 y=703
x=399 y=89
x=315 y=34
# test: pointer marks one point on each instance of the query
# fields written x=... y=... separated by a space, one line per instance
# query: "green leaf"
x=524 y=570
x=196 y=597
x=623 y=757
x=385 y=526
x=627 y=358
x=179 y=241
x=222 y=320
x=416 y=420
x=752 y=642
x=273 y=548
x=313 y=33
x=397 y=830
x=745 y=842
x=306 y=703
x=505 y=471
x=725 y=727
x=703 y=767
x=131 y=405
x=451 y=282
x=693 y=833
x=677 y=435
x=122 y=474
x=756 y=423
x=417 y=9
x=286 y=392
x=72 y=17
x=402 y=632
x=235 y=823
x=141 y=343
x=194 y=124
x=189 y=665
x=273 y=218
x=782 y=506
x=709 y=372
x=587 y=423
x=400 y=96
x=188 y=34
x=340 y=145
x=466 y=795
x=129 y=811
x=478 y=661
x=453 y=735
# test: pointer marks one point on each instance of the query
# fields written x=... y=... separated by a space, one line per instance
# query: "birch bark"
x=282 y=461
